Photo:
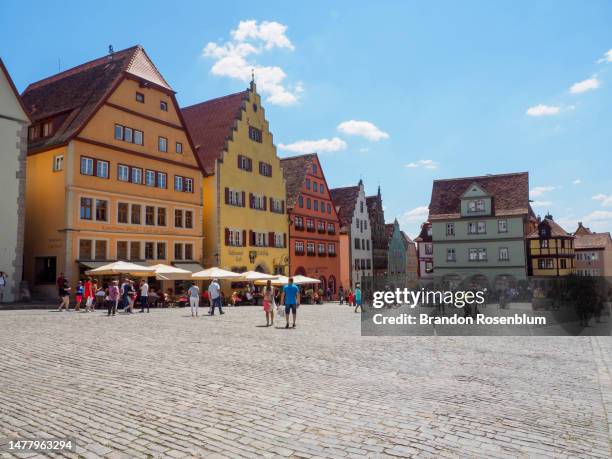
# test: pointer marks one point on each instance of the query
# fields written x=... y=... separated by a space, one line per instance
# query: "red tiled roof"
x=581 y=230
x=555 y=230
x=294 y=171
x=345 y=200
x=211 y=123
x=423 y=236
x=592 y=241
x=510 y=193
x=74 y=95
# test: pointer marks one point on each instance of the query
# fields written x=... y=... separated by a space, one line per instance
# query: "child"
x=79 y=296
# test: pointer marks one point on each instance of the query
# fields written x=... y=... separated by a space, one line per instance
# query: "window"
x=428 y=267
x=315 y=186
x=86 y=209
x=478 y=254
x=87 y=166
x=161 y=216
x=255 y=134
x=482 y=227
x=178 y=218
x=150 y=215
x=179 y=147
x=138 y=137
x=316 y=205
x=543 y=243
x=321 y=188
x=122 y=250
x=161 y=250
x=245 y=163
x=58 y=163
x=310 y=224
x=85 y=247
x=178 y=183
x=265 y=169
x=102 y=169
x=546 y=263
x=137 y=175
x=188 y=252
x=310 y=248
x=563 y=263
x=477 y=227
x=100 y=250
x=178 y=251
x=308 y=203
x=450 y=229
x=135 y=250
x=331 y=249
x=149 y=178
x=308 y=184
x=321 y=226
x=163 y=105
x=301 y=201
x=188 y=185
x=428 y=249
x=234 y=237
x=101 y=210
x=277 y=205
x=502 y=226
x=128 y=134
x=504 y=254
x=118 y=132
x=161 y=179
x=357 y=244
x=476 y=206
x=450 y=255
x=314 y=169
x=329 y=208
x=140 y=97
x=122 y=212
x=321 y=248
x=331 y=228
x=299 y=247
x=258 y=202
x=47 y=129
x=322 y=207
x=279 y=240
x=361 y=206
x=135 y=216
x=188 y=219
x=149 y=251
x=123 y=173
x=162 y=144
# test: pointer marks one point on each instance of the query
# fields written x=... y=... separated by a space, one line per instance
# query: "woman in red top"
x=89 y=295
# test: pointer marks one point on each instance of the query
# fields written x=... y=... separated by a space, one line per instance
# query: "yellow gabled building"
x=551 y=250
x=111 y=172
x=245 y=221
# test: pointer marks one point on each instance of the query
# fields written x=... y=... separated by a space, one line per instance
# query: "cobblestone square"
x=167 y=385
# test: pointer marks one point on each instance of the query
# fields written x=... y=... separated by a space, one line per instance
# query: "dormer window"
x=163 y=105
x=140 y=97
x=47 y=129
x=476 y=205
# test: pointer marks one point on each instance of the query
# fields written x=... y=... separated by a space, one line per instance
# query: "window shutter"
x=251 y=237
x=227 y=200
x=271 y=204
x=283 y=206
x=244 y=241
x=250 y=200
x=265 y=203
x=239 y=158
x=250 y=165
x=285 y=240
x=271 y=240
x=227 y=236
x=243 y=199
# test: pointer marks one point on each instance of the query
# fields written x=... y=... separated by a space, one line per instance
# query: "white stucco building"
x=14 y=123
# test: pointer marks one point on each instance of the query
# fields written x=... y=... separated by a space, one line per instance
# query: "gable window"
x=255 y=134
x=87 y=165
x=321 y=188
x=314 y=169
x=47 y=129
x=163 y=105
x=265 y=169
x=315 y=186
x=140 y=97
x=502 y=226
x=179 y=147
x=477 y=205
x=504 y=254
x=162 y=144
x=34 y=131
x=308 y=184
x=245 y=163
x=58 y=163
x=450 y=229
x=149 y=178
x=329 y=208
x=450 y=255
x=316 y=205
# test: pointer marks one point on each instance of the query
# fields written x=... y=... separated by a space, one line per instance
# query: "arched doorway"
x=260 y=269
x=300 y=271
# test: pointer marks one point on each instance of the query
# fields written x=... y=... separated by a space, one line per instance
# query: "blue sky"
x=396 y=93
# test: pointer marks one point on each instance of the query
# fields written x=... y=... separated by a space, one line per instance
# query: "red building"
x=314 y=225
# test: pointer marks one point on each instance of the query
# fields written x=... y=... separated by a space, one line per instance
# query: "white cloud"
x=577 y=181
x=606 y=58
x=423 y=163
x=606 y=200
x=235 y=59
x=418 y=214
x=311 y=146
x=598 y=216
x=540 y=190
x=585 y=85
x=362 y=128
x=541 y=203
x=543 y=110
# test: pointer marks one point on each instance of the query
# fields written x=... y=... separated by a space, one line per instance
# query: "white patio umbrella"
x=301 y=280
x=278 y=280
x=121 y=267
x=256 y=275
x=168 y=272
x=215 y=273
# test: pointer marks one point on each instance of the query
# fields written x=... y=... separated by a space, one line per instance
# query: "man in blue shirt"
x=291 y=300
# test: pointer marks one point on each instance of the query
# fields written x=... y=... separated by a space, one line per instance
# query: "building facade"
x=412 y=259
x=314 y=239
x=593 y=253
x=425 y=269
x=478 y=229
x=112 y=173
x=14 y=121
x=550 y=250
x=376 y=214
x=397 y=251
x=350 y=203
x=245 y=219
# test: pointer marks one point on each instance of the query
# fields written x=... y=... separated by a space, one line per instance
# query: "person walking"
x=100 y=296
x=358 y=297
x=64 y=293
x=291 y=299
x=214 y=296
x=3 y=278
x=113 y=297
x=144 y=295
x=351 y=297
x=124 y=292
x=80 y=290
x=60 y=284
x=194 y=299
x=89 y=294
x=268 y=303
x=341 y=294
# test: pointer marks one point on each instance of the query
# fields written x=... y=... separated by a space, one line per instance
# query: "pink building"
x=593 y=252
x=425 y=253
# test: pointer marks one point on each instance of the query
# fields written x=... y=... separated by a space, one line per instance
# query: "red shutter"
x=285 y=240
x=283 y=206
x=250 y=165
x=251 y=237
x=243 y=199
x=227 y=200
x=239 y=157
x=227 y=236
x=265 y=203
x=271 y=206
x=271 y=239
x=244 y=241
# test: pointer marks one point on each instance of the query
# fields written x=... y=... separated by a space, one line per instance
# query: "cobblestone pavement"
x=166 y=385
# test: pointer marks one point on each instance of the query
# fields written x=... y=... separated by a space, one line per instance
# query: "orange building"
x=111 y=171
x=314 y=226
